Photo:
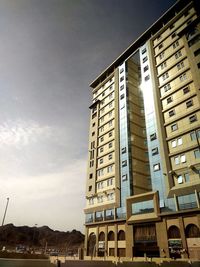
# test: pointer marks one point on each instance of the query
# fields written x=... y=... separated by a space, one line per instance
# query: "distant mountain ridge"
x=11 y=235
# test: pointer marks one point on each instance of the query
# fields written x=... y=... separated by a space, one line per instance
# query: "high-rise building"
x=143 y=181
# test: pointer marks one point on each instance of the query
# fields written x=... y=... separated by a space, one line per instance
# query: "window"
x=193 y=118
x=180 y=65
x=102 y=119
x=94 y=115
x=144 y=50
x=197 y=154
x=110 y=134
x=93 y=133
x=122 y=87
x=93 y=124
x=110 y=196
x=163 y=65
x=101 y=139
x=178 y=54
x=183 y=77
x=102 y=102
x=110 y=145
x=90 y=176
x=123 y=150
x=167 y=87
x=189 y=103
x=174 y=127
x=153 y=137
x=169 y=100
x=186 y=90
x=176 y=160
x=110 y=104
x=165 y=76
x=100 y=199
x=110 y=182
x=176 y=44
x=161 y=56
x=110 y=123
x=121 y=96
x=173 y=35
x=103 y=94
x=194 y=135
x=110 y=88
x=179 y=141
x=100 y=185
x=94 y=109
x=122 y=78
x=91 y=163
x=101 y=149
x=111 y=96
x=171 y=113
x=90 y=188
x=121 y=70
x=173 y=143
x=183 y=158
x=100 y=172
x=146 y=78
x=154 y=151
x=101 y=129
x=110 y=168
x=159 y=37
x=124 y=177
x=194 y=40
x=146 y=68
x=180 y=179
x=187 y=177
x=102 y=110
x=101 y=161
x=156 y=167
x=124 y=163
x=92 y=144
x=171 y=26
x=197 y=52
x=160 y=46
x=198 y=65
x=110 y=156
x=144 y=59
x=91 y=201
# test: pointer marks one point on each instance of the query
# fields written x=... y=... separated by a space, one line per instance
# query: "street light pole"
x=4 y=216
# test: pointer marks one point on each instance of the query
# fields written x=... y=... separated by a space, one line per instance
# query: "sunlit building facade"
x=143 y=181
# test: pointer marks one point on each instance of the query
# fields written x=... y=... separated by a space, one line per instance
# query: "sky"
x=50 y=51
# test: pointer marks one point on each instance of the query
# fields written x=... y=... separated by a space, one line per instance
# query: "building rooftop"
x=152 y=30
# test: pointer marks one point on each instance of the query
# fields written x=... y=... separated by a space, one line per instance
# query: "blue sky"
x=50 y=51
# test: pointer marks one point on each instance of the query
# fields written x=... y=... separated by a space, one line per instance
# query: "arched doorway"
x=121 y=235
x=101 y=246
x=192 y=231
x=91 y=245
x=111 y=236
x=121 y=252
x=174 y=242
x=111 y=248
x=192 y=234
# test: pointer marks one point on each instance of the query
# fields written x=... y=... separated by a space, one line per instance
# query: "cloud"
x=21 y=133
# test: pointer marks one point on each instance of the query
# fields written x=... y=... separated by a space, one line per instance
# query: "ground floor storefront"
x=175 y=236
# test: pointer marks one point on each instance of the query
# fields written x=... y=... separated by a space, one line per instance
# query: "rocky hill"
x=11 y=236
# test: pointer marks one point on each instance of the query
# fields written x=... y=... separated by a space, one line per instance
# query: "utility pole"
x=4 y=216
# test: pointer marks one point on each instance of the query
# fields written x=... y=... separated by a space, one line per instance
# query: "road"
x=25 y=263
